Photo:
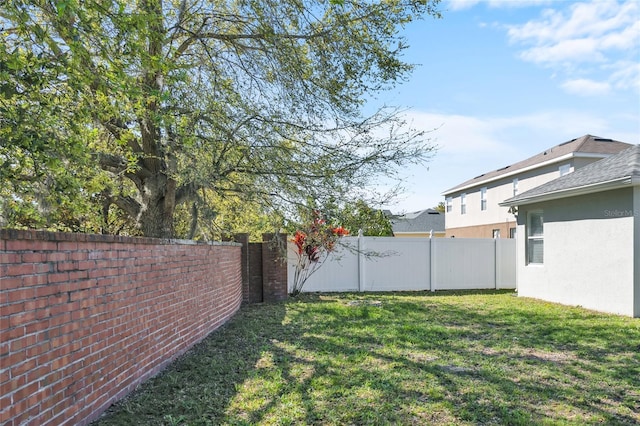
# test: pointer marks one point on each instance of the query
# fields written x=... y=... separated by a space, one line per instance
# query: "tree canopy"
x=120 y=114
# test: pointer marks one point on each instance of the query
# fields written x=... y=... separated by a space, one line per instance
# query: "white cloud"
x=595 y=38
x=468 y=4
x=565 y=51
x=586 y=87
x=626 y=75
x=598 y=19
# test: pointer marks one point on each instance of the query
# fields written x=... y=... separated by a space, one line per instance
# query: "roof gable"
x=586 y=145
x=622 y=168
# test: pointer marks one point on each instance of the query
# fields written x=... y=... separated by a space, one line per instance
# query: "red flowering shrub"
x=312 y=248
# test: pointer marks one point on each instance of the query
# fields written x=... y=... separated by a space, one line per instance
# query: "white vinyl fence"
x=400 y=264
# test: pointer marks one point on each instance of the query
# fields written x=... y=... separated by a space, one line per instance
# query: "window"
x=564 y=169
x=515 y=187
x=512 y=232
x=496 y=233
x=483 y=198
x=448 y=204
x=463 y=203
x=535 y=237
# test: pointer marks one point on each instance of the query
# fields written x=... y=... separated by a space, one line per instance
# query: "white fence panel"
x=401 y=264
x=339 y=272
x=405 y=264
x=506 y=264
x=464 y=263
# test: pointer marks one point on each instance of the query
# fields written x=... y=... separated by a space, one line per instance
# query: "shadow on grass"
x=416 y=358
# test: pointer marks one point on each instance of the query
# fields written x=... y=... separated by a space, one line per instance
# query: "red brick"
x=20 y=369
x=19 y=295
x=5 y=401
x=57 y=278
x=37 y=350
x=10 y=258
x=23 y=342
x=18 y=245
x=22 y=318
x=24 y=392
x=78 y=275
x=13 y=308
x=9 y=386
x=57 y=257
x=33 y=280
x=8 y=283
x=67 y=246
x=43 y=268
x=33 y=257
x=19 y=269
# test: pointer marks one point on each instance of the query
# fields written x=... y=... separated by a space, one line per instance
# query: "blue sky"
x=502 y=80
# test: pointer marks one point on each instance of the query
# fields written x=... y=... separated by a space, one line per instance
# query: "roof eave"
x=526 y=169
x=573 y=192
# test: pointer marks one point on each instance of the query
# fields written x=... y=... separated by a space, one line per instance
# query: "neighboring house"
x=423 y=223
x=472 y=209
x=579 y=237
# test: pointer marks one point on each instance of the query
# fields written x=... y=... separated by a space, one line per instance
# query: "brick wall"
x=86 y=318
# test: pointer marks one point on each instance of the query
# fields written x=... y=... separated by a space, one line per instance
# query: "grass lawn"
x=401 y=358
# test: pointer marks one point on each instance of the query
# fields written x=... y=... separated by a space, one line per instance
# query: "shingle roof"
x=420 y=221
x=618 y=167
x=586 y=144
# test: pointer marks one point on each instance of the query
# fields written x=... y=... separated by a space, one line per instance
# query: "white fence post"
x=496 y=262
x=432 y=264
x=361 y=263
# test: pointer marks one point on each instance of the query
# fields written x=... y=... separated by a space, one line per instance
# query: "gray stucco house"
x=579 y=236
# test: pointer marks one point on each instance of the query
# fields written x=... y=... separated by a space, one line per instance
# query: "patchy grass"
x=401 y=358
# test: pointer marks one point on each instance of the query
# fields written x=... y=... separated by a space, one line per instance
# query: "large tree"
x=171 y=98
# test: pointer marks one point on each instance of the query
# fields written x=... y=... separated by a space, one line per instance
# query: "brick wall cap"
x=39 y=235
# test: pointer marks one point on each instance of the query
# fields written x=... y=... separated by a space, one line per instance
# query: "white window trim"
x=483 y=198
x=463 y=203
x=534 y=238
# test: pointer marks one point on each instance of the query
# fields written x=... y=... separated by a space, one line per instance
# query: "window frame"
x=515 y=186
x=448 y=203
x=534 y=239
x=564 y=169
x=463 y=203
x=483 y=198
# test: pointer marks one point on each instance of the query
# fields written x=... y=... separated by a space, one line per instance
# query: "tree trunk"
x=158 y=205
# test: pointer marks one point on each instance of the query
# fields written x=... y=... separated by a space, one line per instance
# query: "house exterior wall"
x=588 y=252
x=459 y=224
x=482 y=231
